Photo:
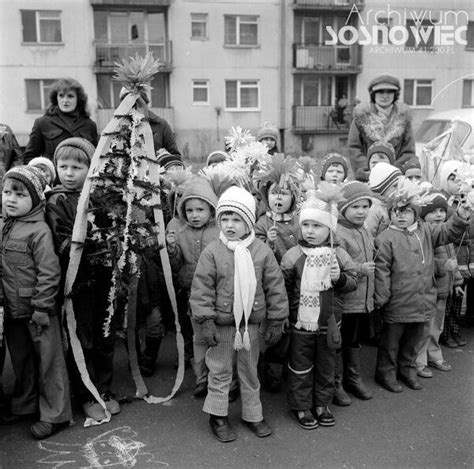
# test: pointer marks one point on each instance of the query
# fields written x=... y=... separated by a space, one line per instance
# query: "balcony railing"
x=314 y=57
x=107 y=54
x=329 y=3
x=104 y=116
x=321 y=119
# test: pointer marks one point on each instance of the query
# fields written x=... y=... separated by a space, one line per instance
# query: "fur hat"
x=166 y=160
x=384 y=82
x=431 y=201
x=70 y=146
x=33 y=180
x=381 y=147
x=268 y=130
x=382 y=177
x=46 y=162
x=330 y=159
x=238 y=200
x=353 y=191
x=446 y=169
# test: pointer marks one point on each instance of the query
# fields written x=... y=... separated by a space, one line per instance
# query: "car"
x=437 y=123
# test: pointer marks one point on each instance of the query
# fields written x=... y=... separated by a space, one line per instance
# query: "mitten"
x=40 y=320
x=209 y=332
x=273 y=332
x=333 y=337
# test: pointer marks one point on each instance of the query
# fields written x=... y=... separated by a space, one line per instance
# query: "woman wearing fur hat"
x=383 y=119
x=65 y=117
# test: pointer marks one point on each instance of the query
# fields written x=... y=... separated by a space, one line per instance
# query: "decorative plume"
x=406 y=193
x=136 y=73
x=280 y=171
x=329 y=193
x=238 y=138
x=178 y=177
x=225 y=175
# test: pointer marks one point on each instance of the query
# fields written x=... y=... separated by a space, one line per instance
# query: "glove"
x=40 y=320
x=209 y=333
x=333 y=337
x=273 y=332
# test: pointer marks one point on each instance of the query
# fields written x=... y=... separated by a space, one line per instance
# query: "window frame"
x=206 y=87
x=38 y=30
x=43 y=95
x=239 y=87
x=467 y=83
x=205 y=20
x=416 y=86
x=238 y=22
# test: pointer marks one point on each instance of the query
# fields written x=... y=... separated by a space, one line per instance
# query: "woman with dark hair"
x=65 y=117
x=381 y=120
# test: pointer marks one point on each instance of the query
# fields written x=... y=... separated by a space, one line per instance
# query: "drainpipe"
x=282 y=93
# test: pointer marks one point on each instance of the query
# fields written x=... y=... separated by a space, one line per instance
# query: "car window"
x=432 y=128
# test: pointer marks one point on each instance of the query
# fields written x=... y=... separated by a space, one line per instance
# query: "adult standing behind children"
x=10 y=153
x=66 y=116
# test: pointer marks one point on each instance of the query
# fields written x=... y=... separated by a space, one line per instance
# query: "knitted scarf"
x=288 y=216
x=245 y=285
x=316 y=277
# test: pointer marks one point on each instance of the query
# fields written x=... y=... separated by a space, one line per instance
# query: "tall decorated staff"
x=119 y=212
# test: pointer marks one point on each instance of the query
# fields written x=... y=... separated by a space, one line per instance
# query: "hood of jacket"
x=198 y=188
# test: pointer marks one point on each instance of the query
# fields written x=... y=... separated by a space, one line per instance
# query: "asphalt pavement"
x=431 y=428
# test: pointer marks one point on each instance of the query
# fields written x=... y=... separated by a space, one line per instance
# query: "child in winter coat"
x=72 y=158
x=316 y=273
x=30 y=282
x=359 y=244
x=196 y=209
x=269 y=135
x=405 y=286
x=334 y=168
x=237 y=284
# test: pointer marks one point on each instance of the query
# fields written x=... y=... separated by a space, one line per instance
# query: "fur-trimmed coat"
x=367 y=127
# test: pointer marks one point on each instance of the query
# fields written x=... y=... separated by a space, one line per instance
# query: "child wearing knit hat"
x=32 y=326
x=334 y=168
x=358 y=243
x=269 y=135
x=237 y=284
x=46 y=166
x=317 y=271
x=380 y=151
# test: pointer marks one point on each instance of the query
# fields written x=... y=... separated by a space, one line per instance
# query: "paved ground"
x=432 y=428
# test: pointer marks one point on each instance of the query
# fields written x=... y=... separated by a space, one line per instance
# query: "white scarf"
x=316 y=277
x=245 y=285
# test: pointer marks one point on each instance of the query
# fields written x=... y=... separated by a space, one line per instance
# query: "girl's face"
x=233 y=226
x=402 y=217
x=314 y=233
x=72 y=173
x=357 y=212
x=334 y=174
x=269 y=142
x=377 y=158
x=198 y=212
x=16 y=201
x=436 y=217
x=279 y=199
x=45 y=173
x=384 y=98
x=453 y=184
x=67 y=100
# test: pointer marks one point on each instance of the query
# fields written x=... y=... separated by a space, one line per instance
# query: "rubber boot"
x=340 y=397
x=352 y=381
x=150 y=354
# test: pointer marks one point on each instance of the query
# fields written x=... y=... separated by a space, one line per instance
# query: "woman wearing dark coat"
x=65 y=117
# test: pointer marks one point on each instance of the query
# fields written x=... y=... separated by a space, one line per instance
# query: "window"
x=470 y=35
x=420 y=35
x=241 y=30
x=41 y=26
x=37 y=94
x=467 y=93
x=242 y=94
x=200 y=92
x=199 y=26
x=418 y=92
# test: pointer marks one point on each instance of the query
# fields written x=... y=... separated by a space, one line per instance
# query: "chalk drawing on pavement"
x=115 y=448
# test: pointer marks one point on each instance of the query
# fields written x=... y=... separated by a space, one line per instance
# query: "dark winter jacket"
x=10 y=153
x=31 y=271
x=330 y=301
x=212 y=291
x=54 y=127
x=163 y=136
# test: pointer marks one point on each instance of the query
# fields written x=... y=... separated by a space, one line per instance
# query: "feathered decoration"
x=136 y=73
x=238 y=138
x=178 y=177
x=308 y=167
x=406 y=193
x=329 y=193
x=223 y=176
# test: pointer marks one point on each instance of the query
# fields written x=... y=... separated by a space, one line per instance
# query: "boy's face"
x=279 y=199
x=45 y=173
x=198 y=212
x=454 y=184
x=414 y=175
x=16 y=201
x=314 y=233
x=334 y=174
x=377 y=158
x=72 y=173
x=269 y=142
x=233 y=226
x=437 y=216
x=402 y=217
x=357 y=212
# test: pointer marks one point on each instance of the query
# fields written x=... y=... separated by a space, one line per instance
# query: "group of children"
x=275 y=276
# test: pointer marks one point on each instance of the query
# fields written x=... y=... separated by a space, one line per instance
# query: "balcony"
x=328 y=4
x=320 y=119
x=108 y=54
x=105 y=115
x=327 y=58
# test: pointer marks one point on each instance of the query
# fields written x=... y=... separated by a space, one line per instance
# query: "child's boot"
x=150 y=354
x=340 y=396
x=352 y=381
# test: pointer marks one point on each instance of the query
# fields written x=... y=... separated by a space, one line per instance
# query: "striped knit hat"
x=47 y=163
x=238 y=200
x=353 y=191
x=33 y=180
x=382 y=177
x=431 y=201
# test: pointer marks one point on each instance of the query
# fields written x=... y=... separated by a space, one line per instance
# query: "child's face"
x=279 y=199
x=45 y=173
x=233 y=226
x=314 y=233
x=402 y=217
x=437 y=216
x=357 y=212
x=453 y=184
x=16 y=200
x=414 y=175
x=377 y=158
x=269 y=142
x=334 y=174
x=72 y=173
x=198 y=212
